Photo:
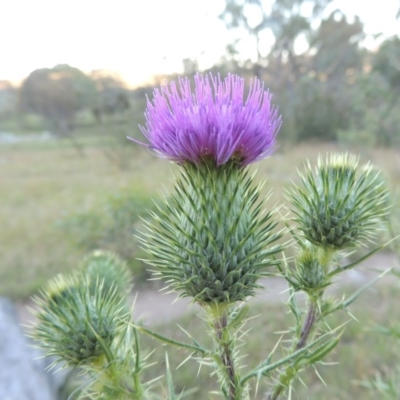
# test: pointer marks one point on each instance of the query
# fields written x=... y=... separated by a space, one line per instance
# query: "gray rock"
x=22 y=373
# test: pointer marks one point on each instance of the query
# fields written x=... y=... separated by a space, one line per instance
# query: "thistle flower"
x=212 y=121
x=338 y=205
x=75 y=324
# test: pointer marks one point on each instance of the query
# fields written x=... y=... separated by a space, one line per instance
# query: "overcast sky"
x=137 y=38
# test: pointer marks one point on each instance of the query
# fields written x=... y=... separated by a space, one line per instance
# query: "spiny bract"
x=338 y=205
x=210 y=241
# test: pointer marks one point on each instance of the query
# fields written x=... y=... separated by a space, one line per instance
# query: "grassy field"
x=57 y=202
x=48 y=186
x=39 y=187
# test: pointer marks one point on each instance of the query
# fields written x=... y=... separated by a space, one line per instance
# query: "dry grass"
x=38 y=187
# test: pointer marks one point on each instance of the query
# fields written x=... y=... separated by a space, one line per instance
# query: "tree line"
x=327 y=84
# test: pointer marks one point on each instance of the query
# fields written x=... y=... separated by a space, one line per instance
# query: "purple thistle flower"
x=213 y=121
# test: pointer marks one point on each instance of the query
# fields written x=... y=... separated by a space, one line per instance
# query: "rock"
x=22 y=373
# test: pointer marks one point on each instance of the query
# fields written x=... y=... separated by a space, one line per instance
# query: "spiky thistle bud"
x=76 y=324
x=211 y=240
x=338 y=206
x=310 y=273
x=108 y=268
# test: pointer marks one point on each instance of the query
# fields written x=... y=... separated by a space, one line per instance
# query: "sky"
x=137 y=38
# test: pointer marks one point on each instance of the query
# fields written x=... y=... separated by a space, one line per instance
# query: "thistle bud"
x=76 y=325
x=210 y=241
x=108 y=268
x=338 y=206
x=311 y=274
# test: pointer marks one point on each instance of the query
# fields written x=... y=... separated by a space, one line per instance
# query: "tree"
x=334 y=61
x=386 y=62
x=113 y=95
x=312 y=59
x=57 y=94
x=287 y=20
x=7 y=97
x=336 y=46
x=8 y=100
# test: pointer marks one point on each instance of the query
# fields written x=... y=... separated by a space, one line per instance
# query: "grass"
x=360 y=354
x=38 y=188
x=42 y=182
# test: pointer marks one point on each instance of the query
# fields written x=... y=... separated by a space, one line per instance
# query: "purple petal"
x=212 y=120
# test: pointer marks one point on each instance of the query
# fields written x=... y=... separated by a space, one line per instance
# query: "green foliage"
x=371 y=112
x=352 y=137
x=359 y=354
x=387 y=61
x=317 y=116
x=56 y=95
x=112 y=226
x=336 y=45
x=112 y=94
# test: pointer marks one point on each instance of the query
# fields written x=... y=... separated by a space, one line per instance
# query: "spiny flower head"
x=339 y=205
x=77 y=324
x=110 y=269
x=309 y=274
x=212 y=120
x=211 y=241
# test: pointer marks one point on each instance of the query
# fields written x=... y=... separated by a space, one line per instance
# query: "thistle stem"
x=308 y=324
x=225 y=352
x=220 y=325
x=289 y=372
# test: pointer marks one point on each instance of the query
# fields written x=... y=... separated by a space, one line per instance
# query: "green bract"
x=310 y=271
x=210 y=240
x=109 y=268
x=75 y=324
x=338 y=206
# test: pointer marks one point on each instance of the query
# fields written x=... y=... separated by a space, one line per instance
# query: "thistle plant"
x=212 y=240
x=337 y=207
x=85 y=323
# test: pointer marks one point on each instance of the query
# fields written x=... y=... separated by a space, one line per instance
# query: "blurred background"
x=74 y=77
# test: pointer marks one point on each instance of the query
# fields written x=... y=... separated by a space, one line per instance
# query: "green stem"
x=308 y=324
x=220 y=326
x=231 y=382
x=138 y=385
x=283 y=382
x=290 y=371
